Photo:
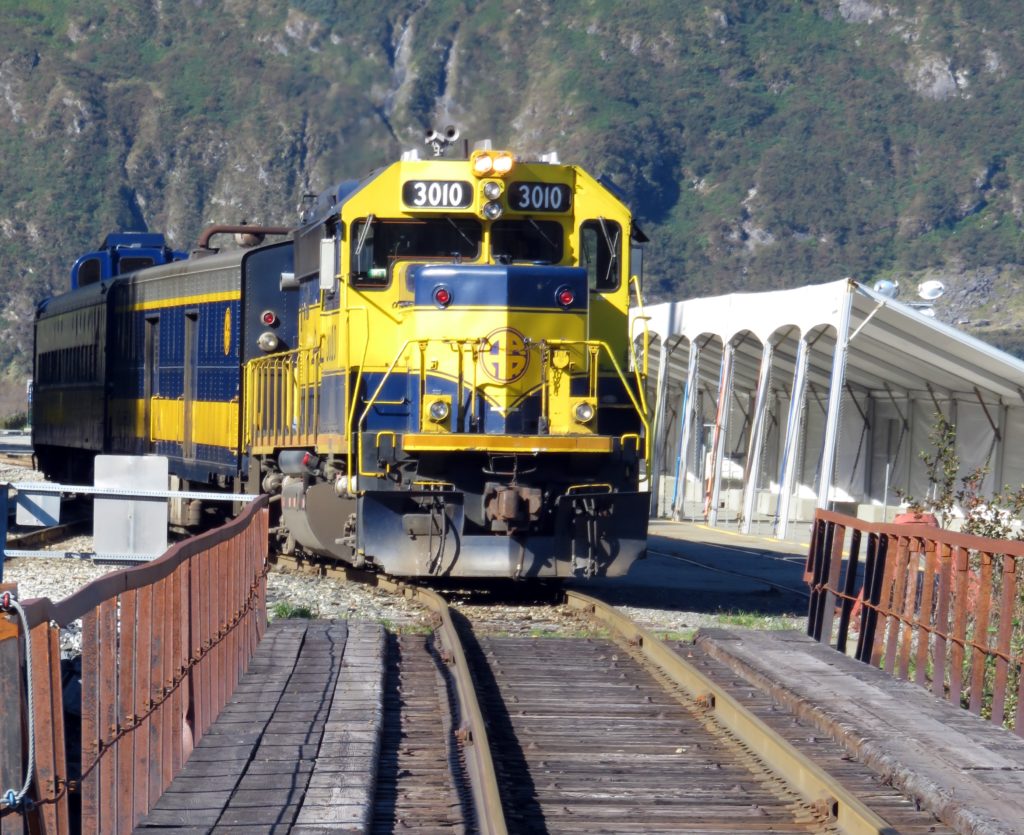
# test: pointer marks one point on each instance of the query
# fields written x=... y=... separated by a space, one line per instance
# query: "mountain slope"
x=763 y=144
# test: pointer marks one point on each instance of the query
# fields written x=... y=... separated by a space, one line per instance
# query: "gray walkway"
x=964 y=770
x=309 y=706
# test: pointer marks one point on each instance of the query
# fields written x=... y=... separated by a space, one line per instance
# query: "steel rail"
x=821 y=790
x=476 y=748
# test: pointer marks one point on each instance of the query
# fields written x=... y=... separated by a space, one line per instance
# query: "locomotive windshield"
x=527 y=240
x=377 y=245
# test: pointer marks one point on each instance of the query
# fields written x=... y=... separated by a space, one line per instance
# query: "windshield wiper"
x=613 y=249
x=363 y=233
x=536 y=226
x=455 y=226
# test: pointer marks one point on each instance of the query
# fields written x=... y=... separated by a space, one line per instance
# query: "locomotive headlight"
x=584 y=412
x=493 y=189
x=268 y=341
x=492 y=210
x=439 y=410
x=503 y=164
x=483 y=163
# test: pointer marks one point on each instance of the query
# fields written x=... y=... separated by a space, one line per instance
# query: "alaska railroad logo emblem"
x=505 y=358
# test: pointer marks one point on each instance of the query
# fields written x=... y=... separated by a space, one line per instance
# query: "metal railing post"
x=938 y=608
x=4 y=488
x=12 y=773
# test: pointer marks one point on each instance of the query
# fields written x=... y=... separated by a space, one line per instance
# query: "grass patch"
x=283 y=609
x=752 y=620
x=407 y=628
x=673 y=635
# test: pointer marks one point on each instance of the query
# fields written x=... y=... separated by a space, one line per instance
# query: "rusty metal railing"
x=942 y=609
x=163 y=646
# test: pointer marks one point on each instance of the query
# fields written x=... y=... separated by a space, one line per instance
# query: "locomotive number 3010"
x=437 y=194
x=539 y=197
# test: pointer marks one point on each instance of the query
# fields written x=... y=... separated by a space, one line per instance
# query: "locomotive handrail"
x=266 y=395
x=640 y=409
x=369 y=404
x=591 y=344
x=634 y=282
x=350 y=392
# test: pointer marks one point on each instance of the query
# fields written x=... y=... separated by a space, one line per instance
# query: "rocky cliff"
x=763 y=143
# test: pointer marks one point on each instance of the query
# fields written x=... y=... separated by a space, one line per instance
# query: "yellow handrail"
x=634 y=282
x=350 y=392
x=354 y=429
x=641 y=410
x=592 y=345
x=283 y=401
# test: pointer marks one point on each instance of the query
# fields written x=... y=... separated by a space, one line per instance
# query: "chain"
x=12 y=799
x=133 y=721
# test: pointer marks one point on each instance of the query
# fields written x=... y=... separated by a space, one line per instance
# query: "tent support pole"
x=721 y=430
x=686 y=429
x=793 y=424
x=757 y=427
x=835 y=398
x=659 y=429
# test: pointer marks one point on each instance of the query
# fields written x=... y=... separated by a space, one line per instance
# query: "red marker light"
x=565 y=297
x=269 y=317
x=443 y=296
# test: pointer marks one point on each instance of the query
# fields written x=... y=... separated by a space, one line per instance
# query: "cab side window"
x=367 y=271
x=89 y=272
x=600 y=243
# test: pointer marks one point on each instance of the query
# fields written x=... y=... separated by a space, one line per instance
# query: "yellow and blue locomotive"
x=433 y=372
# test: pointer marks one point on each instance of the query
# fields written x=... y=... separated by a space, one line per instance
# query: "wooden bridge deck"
x=295 y=747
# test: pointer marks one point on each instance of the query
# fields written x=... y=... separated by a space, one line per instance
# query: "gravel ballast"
x=291 y=591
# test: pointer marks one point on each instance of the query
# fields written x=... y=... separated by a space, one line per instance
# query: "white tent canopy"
x=769 y=405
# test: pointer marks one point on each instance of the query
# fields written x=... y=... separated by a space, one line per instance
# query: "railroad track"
x=16 y=459
x=78 y=520
x=614 y=731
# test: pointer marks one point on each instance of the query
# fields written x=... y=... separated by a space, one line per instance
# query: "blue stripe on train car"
x=217 y=374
